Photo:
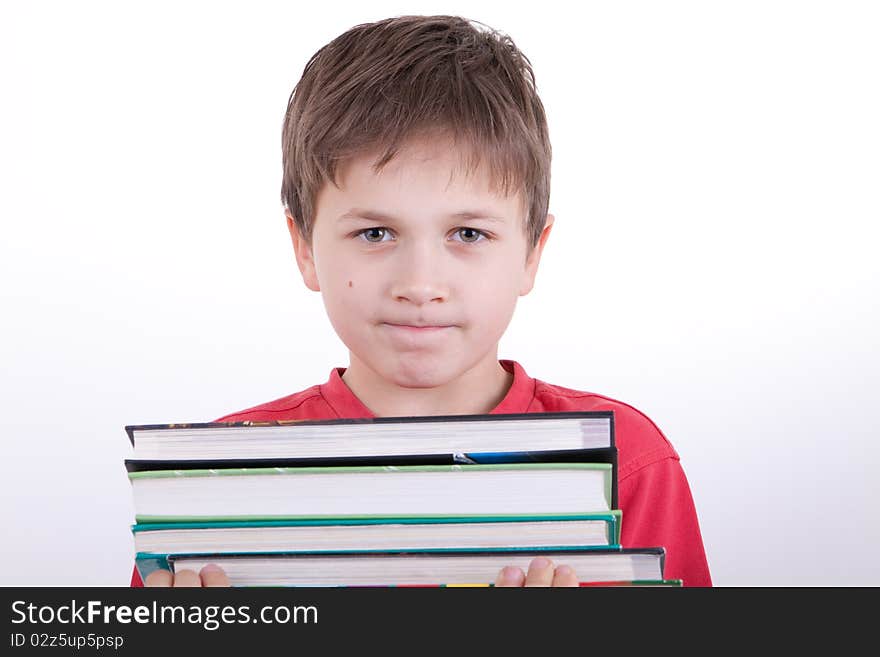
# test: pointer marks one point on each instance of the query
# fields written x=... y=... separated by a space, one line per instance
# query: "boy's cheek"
x=350 y=306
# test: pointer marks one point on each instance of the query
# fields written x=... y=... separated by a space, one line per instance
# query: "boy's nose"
x=419 y=293
x=419 y=280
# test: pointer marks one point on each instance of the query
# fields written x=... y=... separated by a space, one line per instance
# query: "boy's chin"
x=421 y=375
x=420 y=380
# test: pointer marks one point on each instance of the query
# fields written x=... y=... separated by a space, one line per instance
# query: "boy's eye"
x=470 y=235
x=375 y=234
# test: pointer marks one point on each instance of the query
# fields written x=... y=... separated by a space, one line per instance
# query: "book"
x=638 y=583
x=391 y=534
x=598 y=455
x=612 y=565
x=371 y=437
x=512 y=489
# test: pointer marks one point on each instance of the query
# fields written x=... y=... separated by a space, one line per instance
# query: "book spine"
x=148 y=563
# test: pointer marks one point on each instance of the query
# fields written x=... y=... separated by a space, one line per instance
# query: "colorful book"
x=609 y=565
x=391 y=534
x=513 y=489
x=639 y=583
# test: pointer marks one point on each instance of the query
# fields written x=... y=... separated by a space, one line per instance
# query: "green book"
x=385 y=534
x=510 y=489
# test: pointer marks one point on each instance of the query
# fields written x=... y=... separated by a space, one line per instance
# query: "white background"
x=716 y=183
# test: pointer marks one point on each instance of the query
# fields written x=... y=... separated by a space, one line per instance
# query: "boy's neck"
x=478 y=390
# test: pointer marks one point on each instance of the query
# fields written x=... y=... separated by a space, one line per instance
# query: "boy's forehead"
x=435 y=164
x=431 y=155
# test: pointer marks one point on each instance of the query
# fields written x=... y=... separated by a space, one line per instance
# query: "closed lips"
x=419 y=325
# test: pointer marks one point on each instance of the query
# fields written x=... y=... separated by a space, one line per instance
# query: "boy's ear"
x=534 y=258
x=305 y=259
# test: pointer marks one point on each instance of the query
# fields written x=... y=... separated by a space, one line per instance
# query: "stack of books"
x=406 y=501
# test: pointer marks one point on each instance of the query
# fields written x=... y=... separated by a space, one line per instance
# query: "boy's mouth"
x=418 y=327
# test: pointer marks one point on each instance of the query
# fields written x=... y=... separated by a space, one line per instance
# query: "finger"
x=213 y=575
x=564 y=576
x=159 y=578
x=510 y=576
x=186 y=578
x=540 y=572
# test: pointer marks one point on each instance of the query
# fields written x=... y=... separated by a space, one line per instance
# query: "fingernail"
x=564 y=571
x=510 y=575
x=541 y=562
x=211 y=568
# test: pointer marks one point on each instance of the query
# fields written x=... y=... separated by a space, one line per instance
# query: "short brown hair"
x=379 y=84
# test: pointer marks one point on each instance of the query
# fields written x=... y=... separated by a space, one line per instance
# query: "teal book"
x=610 y=565
x=378 y=534
x=512 y=489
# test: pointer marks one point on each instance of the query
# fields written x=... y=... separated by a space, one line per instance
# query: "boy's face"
x=423 y=293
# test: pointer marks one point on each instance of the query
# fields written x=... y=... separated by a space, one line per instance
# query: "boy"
x=416 y=186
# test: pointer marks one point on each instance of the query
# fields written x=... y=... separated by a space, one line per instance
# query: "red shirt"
x=653 y=493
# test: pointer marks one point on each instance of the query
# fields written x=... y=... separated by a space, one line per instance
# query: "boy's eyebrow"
x=372 y=215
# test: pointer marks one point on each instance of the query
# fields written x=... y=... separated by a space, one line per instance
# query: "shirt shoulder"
x=308 y=404
x=640 y=442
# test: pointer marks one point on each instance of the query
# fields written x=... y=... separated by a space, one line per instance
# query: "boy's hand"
x=541 y=573
x=210 y=575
